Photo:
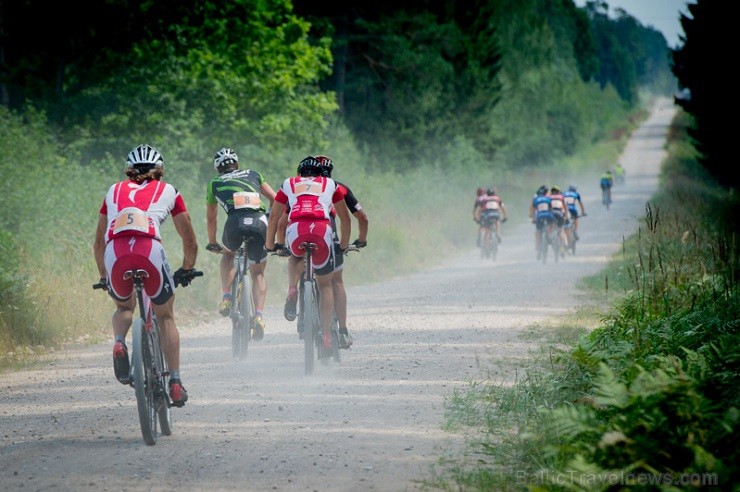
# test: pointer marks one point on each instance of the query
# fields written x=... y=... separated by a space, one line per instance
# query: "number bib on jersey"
x=308 y=188
x=131 y=219
x=246 y=199
x=492 y=205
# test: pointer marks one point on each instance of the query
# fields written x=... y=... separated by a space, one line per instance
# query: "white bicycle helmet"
x=225 y=159
x=144 y=158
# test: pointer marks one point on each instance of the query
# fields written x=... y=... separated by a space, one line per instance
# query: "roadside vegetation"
x=640 y=394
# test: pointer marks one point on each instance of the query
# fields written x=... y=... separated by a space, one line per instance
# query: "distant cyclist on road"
x=541 y=214
x=238 y=192
x=560 y=214
x=478 y=194
x=606 y=182
x=619 y=173
x=491 y=212
x=574 y=202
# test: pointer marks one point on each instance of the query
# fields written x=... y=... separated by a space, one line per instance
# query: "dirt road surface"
x=372 y=422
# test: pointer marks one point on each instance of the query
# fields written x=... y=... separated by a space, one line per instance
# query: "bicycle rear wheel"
x=244 y=316
x=144 y=382
x=544 y=240
x=494 y=245
x=311 y=325
x=335 y=341
x=163 y=402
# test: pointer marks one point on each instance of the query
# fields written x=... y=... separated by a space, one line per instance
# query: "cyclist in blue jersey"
x=574 y=202
x=540 y=211
x=606 y=182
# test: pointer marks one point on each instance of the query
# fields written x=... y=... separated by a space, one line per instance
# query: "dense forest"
x=407 y=79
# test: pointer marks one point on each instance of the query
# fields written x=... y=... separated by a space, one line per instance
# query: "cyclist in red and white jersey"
x=560 y=213
x=128 y=238
x=491 y=211
x=310 y=197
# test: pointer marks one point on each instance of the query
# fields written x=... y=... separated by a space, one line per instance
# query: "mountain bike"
x=335 y=336
x=242 y=305
x=488 y=243
x=606 y=197
x=556 y=242
x=308 y=316
x=149 y=372
x=544 y=241
x=570 y=234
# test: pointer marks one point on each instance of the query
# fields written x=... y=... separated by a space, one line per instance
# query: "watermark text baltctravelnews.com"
x=617 y=478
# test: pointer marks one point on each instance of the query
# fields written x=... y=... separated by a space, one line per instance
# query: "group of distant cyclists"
x=303 y=210
x=549 y=208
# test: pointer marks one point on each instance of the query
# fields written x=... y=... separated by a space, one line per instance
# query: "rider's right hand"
x=214 y=248
x=280 y=250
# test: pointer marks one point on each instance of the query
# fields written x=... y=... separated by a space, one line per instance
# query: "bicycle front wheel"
x=311 y=324
x=144 y=382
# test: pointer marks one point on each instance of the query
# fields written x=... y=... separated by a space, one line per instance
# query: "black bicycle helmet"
x=542 y=190
x=572 y=188
x=326 y=165
x=310 y=166
x=491 y=191
x=225 y=160
x=144 y=158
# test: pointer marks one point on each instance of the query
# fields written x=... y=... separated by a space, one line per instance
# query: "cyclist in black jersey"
x=239 y=192
x=340 y=294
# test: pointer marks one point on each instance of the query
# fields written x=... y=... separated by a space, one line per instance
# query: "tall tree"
x=706 y=87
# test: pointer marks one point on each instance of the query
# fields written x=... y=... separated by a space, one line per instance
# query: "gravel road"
x=372 y=422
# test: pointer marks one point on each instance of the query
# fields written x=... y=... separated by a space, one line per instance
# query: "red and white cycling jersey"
x=139 y=209
x=489 y=202
x=309 y=198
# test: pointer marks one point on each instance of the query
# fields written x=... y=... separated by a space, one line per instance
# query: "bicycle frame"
x=150 y=372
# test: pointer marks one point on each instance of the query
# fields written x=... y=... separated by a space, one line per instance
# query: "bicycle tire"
x=143 y=383
x=245 y=317
x=163 y=402
x=555 y=242
x=234 y=314
x=335 y=355
x=544 y=240
x=494 y=246
x=311 y=324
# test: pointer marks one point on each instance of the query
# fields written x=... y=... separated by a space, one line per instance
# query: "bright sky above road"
x=662 y=15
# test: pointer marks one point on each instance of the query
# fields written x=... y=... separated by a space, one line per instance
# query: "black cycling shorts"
x=242 y=224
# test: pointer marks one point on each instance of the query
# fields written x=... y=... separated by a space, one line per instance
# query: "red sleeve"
x=104 y=208
x=281 y=197
x=179 y=206
x=339 y=193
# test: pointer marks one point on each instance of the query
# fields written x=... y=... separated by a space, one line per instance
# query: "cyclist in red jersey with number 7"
x=128 y=238
x=309 y=197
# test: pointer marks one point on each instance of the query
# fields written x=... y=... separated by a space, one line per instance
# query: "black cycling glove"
x=214 y=248
x=360 y=244
x=183 y=277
